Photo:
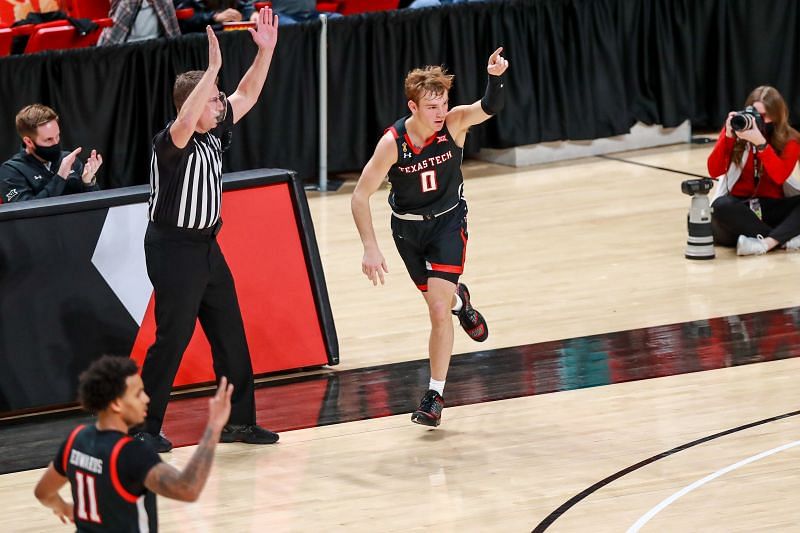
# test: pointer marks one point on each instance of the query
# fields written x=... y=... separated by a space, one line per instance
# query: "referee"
x=184 y=261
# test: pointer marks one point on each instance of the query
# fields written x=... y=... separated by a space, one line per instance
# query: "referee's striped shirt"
x=186 y=184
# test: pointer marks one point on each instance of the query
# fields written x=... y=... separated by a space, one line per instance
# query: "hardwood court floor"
x=505 y=466
x=559 y=251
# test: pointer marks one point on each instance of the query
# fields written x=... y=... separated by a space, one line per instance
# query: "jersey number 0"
x=428 y=180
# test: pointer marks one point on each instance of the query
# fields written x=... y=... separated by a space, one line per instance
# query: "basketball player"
x=422 y=153
x=114 y=478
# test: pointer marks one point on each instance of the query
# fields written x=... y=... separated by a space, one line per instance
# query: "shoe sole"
x=228 y=439
x=485 y=324
x=425 y=420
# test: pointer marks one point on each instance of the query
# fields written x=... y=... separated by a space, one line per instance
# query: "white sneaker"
x=751 y=245
x=793 y=244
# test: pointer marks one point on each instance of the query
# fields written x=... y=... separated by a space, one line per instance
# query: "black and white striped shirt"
x=186 y=184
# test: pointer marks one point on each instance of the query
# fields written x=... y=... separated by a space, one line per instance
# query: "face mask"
x=48 y=153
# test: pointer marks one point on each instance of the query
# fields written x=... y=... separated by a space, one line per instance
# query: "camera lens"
x=741 y=122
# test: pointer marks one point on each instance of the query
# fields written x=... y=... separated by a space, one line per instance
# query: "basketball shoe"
x=469 y=318
x=429 y=412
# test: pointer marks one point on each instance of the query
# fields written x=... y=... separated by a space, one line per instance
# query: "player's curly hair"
x=433 y=80
x=104 y=381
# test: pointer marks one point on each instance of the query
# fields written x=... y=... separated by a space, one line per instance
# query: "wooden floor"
x=559 y=251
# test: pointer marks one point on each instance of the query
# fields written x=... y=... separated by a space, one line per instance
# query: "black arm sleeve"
x=494 y=99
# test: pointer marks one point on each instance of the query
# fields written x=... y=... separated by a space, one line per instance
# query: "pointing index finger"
x=495 y=54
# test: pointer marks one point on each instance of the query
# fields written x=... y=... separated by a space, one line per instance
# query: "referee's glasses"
x=222 y=99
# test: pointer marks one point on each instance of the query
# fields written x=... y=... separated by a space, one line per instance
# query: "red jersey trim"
x=68 y=447
x=423 y=288
x=394 y=132
x=427 y=143
x=127 y=496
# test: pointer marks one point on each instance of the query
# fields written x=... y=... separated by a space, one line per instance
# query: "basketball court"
x=622 y=387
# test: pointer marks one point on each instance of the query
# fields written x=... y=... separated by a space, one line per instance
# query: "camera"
x=701 y=186
x=700 y=242
x=747 y=119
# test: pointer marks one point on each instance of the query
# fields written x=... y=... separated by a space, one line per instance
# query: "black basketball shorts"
x=433 y=248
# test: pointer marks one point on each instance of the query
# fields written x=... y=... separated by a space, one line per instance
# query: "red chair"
x=185 y=13
x=328 y=7
x=87 y=9
x=351 y=7
x=60 y=38
x=6 y=36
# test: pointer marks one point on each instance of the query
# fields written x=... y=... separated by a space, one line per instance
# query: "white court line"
x=699 y=483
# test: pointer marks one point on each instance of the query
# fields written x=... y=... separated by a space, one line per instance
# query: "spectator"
x=42 y=169
x=139 y=20
x=214 y=13
x=750 y=209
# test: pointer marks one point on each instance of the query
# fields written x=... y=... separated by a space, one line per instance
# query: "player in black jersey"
x=422 y=153
x=114 y=478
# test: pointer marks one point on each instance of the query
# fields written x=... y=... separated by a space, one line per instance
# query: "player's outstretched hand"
x=266 y=33
x=497 y=63
x=219 y=407
x=374 y=266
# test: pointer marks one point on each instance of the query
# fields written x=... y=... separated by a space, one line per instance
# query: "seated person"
x=214 y=13
x=139 y=20
x=42 y=169
x=294 y=11
x=750 y=208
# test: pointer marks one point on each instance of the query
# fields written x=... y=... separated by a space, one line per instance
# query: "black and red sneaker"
x=469 y=318
x=429 y=412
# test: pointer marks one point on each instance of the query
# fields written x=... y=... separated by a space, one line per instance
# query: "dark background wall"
x=580 y=69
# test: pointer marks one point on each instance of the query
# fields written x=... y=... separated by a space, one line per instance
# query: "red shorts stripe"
x=451 y=269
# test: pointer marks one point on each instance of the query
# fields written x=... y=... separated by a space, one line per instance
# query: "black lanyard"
x=756 y=169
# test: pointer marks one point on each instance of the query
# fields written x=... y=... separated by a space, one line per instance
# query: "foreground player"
x=114 y=478
x=422 y=154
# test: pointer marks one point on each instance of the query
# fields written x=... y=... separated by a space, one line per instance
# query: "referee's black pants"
x=191 y=280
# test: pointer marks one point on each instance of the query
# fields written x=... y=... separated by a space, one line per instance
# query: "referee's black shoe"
x=159 y=443
x=248 y=433
x=429 y=412
x=470 y=319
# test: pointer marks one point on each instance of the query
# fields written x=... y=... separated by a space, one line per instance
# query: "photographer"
x=754 y=156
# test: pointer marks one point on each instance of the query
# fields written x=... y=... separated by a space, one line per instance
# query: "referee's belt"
x=429 y=216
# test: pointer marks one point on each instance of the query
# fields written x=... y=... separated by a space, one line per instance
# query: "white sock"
x=438 y=386
x=459 y=304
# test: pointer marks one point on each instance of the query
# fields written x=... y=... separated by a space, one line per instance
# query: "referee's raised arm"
x=189 y=114
x=265 y=36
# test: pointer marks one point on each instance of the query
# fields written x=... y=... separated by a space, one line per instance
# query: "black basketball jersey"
x=426 y=181
x=106 y=471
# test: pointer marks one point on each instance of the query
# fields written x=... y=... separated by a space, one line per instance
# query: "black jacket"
x=23 y=177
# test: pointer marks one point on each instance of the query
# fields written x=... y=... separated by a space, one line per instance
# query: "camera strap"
x=756 y=169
